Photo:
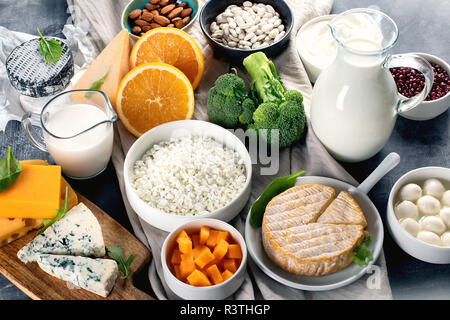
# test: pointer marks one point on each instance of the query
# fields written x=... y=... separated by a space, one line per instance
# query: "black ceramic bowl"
x=213 y=8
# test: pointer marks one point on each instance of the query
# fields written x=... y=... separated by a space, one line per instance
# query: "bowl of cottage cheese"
x=186 y=170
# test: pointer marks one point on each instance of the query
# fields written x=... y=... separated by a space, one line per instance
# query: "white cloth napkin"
x=309 y=155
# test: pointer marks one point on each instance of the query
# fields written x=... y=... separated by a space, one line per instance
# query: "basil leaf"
x=51 y=50
x=363 y=253
x=277 y=186
x=97 y=84
x=116 y=253
x=10 y=169
x=60 y=213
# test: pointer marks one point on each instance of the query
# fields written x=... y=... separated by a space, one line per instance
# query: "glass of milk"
x=77 y=131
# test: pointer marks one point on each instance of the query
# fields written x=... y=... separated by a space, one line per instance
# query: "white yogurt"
x=86 y=154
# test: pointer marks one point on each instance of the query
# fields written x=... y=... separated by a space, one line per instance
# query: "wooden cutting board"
x=39 y=285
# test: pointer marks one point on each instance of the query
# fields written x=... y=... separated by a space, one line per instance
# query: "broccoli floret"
x=227 y=104
x=280 y=109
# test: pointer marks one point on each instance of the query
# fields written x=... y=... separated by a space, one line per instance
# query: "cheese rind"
x=78 y=233
x=35 y=194
x=95 y=275
x=113 y=61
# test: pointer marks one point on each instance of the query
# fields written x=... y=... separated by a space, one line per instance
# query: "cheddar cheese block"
x=15 y=228
x=343 y=210
x=35 y=194
x=294 y=239
x=113 y=62
x=77 y=233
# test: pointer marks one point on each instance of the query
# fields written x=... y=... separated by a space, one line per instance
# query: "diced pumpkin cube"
x=222 y=235
x=197 y=250
x=230 y=264
x=227 y=274
x=176 y=268
x=204 y=258
x=212 y=239
x=204 y=234
x=221 y=249
x=214 y=274
x=176 y=258
x=186 y=268
x=186 y=256
x=182 y=234
x=184 y=244
x=195 y=240
x=234 y=251
x=198 y=279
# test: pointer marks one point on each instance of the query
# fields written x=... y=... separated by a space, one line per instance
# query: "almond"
x=136 y=30
x=165 y=10
x=186 y=20
x=151 y=7
x=182 y=5
x=179 y=24
x=155 y=1
x=163 y=2
x=154 y=13
x=176 y=19
x=174 y=13
x=186 y=12
x=135 y=14
x=163 y=21
x=155 y=25
x=146 y=28
x=141 y=23
x=170 y=25
x=147 y=16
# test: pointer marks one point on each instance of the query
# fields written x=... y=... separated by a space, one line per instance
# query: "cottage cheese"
x=189 y=176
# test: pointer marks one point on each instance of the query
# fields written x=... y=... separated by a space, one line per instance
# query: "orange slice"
x=152 y=94
x=172 y=46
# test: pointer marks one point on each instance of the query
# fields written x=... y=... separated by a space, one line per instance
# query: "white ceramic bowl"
x=165 y=132
x=214 y=292
x=427 y=110
x=416 y=248
x=313 y=70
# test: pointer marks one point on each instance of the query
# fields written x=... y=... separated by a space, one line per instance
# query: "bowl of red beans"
x=410 y=82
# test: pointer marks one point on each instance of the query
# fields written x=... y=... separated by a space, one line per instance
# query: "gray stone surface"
x=423 y=27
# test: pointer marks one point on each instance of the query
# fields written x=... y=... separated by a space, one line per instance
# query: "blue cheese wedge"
x=95 y=275
x=78 y=233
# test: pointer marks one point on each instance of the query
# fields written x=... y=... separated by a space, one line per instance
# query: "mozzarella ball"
x=445 y=239
x=411 y=226
x=429 y=237
x=446 y=198
x=406 y=209
x=428 y=205
x=433 y=187
x=445 y=216
x=411 y=192
x=433 y=224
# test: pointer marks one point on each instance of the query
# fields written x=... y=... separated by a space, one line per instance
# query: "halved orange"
x=152 y=94
x=172 y=46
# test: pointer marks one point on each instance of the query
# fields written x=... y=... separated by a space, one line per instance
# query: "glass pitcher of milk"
x=77 y=131
x=355 y=101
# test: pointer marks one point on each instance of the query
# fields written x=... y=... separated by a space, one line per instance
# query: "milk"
x=80 y=155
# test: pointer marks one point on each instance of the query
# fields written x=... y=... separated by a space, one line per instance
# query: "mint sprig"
x=51 y=50
x=97 y=84
x=116 y=253
x=362 y=253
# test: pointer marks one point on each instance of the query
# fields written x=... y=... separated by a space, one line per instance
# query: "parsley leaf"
x=116 y=253
x=60 y=213
x=362 y=253
x=97 y=84
x=10 y=169
x=51 y=50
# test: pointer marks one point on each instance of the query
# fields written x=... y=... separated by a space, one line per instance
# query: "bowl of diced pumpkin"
x=204 y=259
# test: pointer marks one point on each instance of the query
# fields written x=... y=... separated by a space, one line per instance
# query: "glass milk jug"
x=355 y=101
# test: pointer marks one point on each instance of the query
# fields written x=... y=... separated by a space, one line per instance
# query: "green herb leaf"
x=97 y=84
x=10 y=169
x=116 y=253
x=51 y=50
x=277 y=186
x=60 y=213
x=363 y=253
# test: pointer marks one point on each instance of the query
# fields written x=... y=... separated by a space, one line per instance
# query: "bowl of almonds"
x=140 y=16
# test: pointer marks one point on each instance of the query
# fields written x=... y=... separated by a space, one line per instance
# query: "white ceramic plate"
x=332 y=281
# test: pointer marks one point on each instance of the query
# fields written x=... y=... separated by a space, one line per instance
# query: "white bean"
x=245 y=43
x=267 y=27
x=233 y=33
x=239 y=21
x=251 y=29
x=232 y=44
x=279 y=36
x=277 y=23
x=247 y=4
x=281 y=27
x=274 y=33
x=248 y=36
x=269 y=8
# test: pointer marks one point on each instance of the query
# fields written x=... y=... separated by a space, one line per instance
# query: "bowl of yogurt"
x=418 y=214
x=316 y=46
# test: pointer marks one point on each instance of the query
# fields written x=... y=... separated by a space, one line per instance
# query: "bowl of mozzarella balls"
x=235 y=29
x=418 y=214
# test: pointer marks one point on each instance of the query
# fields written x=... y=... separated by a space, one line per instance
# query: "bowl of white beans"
x=236 y=29
x=418 y=214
